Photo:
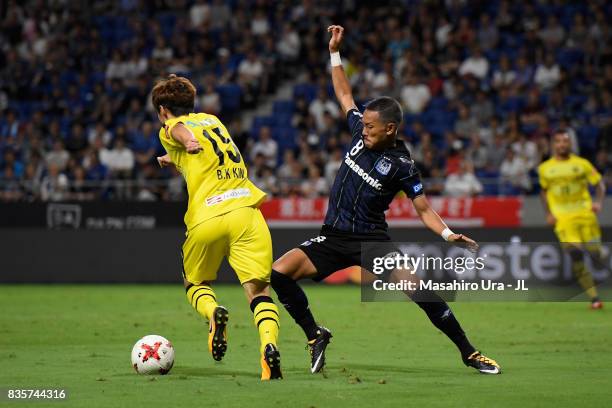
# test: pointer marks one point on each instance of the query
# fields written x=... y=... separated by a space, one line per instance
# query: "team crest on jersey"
x=383 y=166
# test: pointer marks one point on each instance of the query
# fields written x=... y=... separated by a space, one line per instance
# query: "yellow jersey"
x=216 y=177
x=567 y=185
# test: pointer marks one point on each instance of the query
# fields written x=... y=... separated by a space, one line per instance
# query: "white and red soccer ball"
x=153 y=354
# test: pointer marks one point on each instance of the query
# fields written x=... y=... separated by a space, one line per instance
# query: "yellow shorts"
x=583 y=229
x=242 y=235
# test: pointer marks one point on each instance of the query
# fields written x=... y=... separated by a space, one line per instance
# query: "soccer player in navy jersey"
x=376 y=167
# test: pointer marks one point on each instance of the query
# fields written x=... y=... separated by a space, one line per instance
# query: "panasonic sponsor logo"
x=361 y=173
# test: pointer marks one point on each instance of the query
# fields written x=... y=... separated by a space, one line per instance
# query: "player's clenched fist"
x=337 y=33
x=193 y=146
x=164 y=161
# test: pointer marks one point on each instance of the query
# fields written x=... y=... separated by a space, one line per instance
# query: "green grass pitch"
x=382 y=355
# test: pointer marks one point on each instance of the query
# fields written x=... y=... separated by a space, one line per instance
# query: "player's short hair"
x=559 y=131
x=389 y=110
x=177 y=94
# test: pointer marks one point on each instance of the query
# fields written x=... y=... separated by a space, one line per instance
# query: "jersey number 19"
x=233 y=155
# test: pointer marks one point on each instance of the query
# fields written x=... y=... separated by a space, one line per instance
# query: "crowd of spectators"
x=482 y=84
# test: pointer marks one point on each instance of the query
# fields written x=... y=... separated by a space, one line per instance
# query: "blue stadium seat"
x=230 y=97
x=568 y=57
x=285 y=136
x=410 y=118
x=588 y=137
x=438 y=103
x=167 y=22
x=283 y=107
x=528 y=129
x=259 y=122
x=282 y=119
x=576 y=102
x=306 y=91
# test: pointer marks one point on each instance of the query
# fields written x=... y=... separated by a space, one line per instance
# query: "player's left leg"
x=440 y=315
x=595 y=252
x=202 y=253
x=573 y=234
x=250 y=255
x=204 y=301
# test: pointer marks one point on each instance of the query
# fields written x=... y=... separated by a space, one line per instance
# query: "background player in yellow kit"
x=565 y=180
x=222 y=218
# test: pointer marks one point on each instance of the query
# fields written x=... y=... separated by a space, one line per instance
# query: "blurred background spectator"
x=483 y=84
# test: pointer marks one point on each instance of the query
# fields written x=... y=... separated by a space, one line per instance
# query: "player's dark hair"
x=558 y=131
x=389 y=110
x=177 y=94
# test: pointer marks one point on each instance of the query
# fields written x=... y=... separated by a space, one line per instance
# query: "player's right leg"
x=286 y=271
x=250 y=255
x=203 y=251
x=266 y=318
x=591 y=239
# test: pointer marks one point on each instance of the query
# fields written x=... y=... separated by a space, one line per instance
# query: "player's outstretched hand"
x=193 y=146
x=337 y=33
x=464 y=241
x=550 y=219
x=164 y=161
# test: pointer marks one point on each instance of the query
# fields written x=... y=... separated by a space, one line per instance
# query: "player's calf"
x=266 y=318
x=202 y=298
x=291 y=295
x=583 y=275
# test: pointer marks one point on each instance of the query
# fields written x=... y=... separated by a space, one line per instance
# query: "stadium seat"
x=575 y=101
x=283 y=107
x=438 y=103
x=568 y=57
x=588 y=137
x=306 y=91
x=230 y=97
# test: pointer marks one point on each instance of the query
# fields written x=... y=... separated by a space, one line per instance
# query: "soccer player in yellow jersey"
x=565 y=180
x=222 y=219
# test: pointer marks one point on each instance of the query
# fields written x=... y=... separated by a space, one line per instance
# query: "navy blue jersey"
x=367 y=182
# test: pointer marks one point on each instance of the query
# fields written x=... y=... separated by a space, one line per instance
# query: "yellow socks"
x=584 y=278
x=202 y=298
x=265 y=315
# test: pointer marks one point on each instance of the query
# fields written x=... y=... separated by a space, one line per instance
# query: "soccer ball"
x=153 y=354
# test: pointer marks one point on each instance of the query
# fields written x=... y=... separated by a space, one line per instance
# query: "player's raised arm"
x=342 y=87
x=434 y=222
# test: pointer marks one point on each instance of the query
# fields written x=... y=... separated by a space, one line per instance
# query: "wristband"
x=446 y=233
x=336 y=61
